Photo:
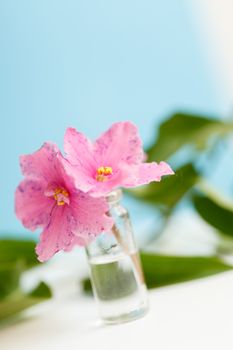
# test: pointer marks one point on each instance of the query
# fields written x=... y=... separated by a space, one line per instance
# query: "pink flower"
x=115 y=159
x=47 y=198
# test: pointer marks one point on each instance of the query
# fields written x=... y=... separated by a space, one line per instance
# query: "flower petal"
x=79 y=152
x=42 y=164
x=101 y=189
x=146 y=173
x=91 y=217
x=79 y=149
x=83 y=180
x=120 y=143
x=31 y=205
x=57 y=235
x=76 y=224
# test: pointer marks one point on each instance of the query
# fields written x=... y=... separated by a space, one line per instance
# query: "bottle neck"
x=114 y=197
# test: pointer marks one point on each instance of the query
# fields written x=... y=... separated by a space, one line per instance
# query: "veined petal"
x=72 y=225
x=146 y=173
x=102 y=188
x=79 y=150
x=81 y=163
x=120 y=143
x=91 y=218
x=31 y=205
x=57 y=235
x=42 y=164
x=82 y=180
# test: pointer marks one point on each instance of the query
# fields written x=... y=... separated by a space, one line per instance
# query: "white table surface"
x=193 y=315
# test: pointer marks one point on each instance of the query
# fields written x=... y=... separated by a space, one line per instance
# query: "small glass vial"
x=115 y=268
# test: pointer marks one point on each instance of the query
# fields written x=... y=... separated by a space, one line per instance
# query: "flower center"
x=61 y=196
x=103 y=172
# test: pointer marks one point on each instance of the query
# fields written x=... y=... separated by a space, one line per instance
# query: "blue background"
x=87 y=64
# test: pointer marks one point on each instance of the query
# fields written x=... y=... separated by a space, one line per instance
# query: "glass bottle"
x=115 y=268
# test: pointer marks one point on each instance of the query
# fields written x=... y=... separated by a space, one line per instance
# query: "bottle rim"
x=114 y=196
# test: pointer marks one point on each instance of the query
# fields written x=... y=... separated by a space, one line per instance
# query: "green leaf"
x=216 y=213
x=170 y=190
x=9 y=277
x=163 y=270
x=86 y=286
x=18 y=302
x=12 y=250
x=41 y=291
x=15 y=257
x=185 y=129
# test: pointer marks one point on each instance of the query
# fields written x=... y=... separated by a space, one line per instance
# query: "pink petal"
x=42 y=164
x=121 y=143
x=103 y=188
x=31 y=205
x=76 y=224
x=146 y=173
x=79 y=151
x=91 y=217
x=83 y=180
x=57 y=235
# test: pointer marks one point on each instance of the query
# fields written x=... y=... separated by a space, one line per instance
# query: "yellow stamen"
x=102 y=173
x=60 y=203
x=59 y=194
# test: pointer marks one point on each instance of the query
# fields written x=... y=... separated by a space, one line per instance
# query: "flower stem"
x=134 y=257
